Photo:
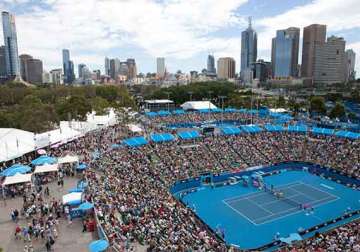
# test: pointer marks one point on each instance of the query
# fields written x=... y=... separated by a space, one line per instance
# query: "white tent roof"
x=46 y=168
x=17 y=178
x=196 y=105
x=279 y=110
x=68 y=159
x=134 y=127
x=72 y=198
x=15 y=143
x=64 y=134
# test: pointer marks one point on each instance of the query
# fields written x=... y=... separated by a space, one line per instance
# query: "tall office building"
x=285 y=52
x=350 y=65
x=160 y=66
x=3 y=72
x=248 y=50
x=329 y=63
x=11 y=47
x=34 y=71
x=314 y=36
x=107 y=66
x=226 y=68
x=132 y=71
x=23 y=60
x=81 y=68
x=57 y=76
x=261 y=70
x=211 y=70
x=68 y=67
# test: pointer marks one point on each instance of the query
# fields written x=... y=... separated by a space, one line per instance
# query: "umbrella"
x=85 y=206
x=41 y=152
x=43 y=160
x=16 y=168
x=81 y=166
x=75 y=189
x=115 y=146
x=98 y=246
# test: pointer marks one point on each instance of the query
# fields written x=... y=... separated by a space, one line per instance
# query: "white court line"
x=255 y=203
x=316 y=189
x=239 y=213
x=328 y=187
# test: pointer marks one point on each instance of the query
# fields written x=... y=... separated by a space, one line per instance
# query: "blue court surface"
x=251 y=217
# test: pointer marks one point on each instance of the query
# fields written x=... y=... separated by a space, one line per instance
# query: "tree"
x=100 y=105
x=75 y=107
x=338 y=111
x=317 y=105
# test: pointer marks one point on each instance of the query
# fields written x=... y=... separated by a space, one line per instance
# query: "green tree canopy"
x=338 y=111
x=317 y=105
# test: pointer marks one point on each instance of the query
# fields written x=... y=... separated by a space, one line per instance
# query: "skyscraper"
x=211 y=70
x=248 y=50
x=285 y=51
x=68 y=67
x=81 y=70
x=226 y=68
x=11 y=48
x=23 y=60
x=34 y=71
x=160 y=65
x=3 y=72
x=350 y=65
x=57 y=76
x=132 y=71
x=107 y=66
x=329 y=62
x=314 y=35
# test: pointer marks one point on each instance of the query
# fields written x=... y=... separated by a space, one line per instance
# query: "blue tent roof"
x=297 y=128
x=204 y=110
x=75 y=189
x=115 y=146
x=230 y=130
x=243 y=110
x=216 y=110
x=274 y=128
x=16 y=168
x=323 y=131
x=86 y=206
x=82 y=166
x=230 y=110
x=135 y=141
x=188 y=134
x=348 y=134
x=43 y=160
x=251 y=128
x=162 y=137
x=98 y=246
x=178 y=112
x=151 y=114
x=163 y=113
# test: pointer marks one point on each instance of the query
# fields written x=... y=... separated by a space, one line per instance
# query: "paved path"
x=70 y=238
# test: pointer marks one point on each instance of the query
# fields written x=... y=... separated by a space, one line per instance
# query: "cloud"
x=173 y=28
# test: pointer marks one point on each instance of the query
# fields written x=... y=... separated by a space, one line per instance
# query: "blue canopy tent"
x=98 y=246
x=162 y=137
x=230 y=110
x=251 y=128
x=164 y=113
x=135 y=141
x=230 y=130
x=16 y=168
x=274 y=128
x=151 y=114
x=297 y=128
x=75 y=189
x=82 y=166
x=115 y=146
x=178 y=112
x=243 y=110
x=86 y=206
x=322 y=131
x=216 y=110
x=204 y=110
x=347 y=134
x=185 y=135
x=44 y=160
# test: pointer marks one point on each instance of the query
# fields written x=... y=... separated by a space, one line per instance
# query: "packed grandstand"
x=130 y=181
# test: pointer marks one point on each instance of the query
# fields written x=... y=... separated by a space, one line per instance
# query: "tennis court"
x=262 y=207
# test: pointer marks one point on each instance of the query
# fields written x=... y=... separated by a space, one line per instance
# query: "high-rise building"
x=107 y=66
x=81 y=70
x=248 y=50
x=261 y=70
x=314 y=36
x=46 y=77
x=211 y=70
x=97 y=74
x=57 y=76
x=350 y=65
x=11 y=47
x=329 y=63
x=68 y=67
x=132 y=71
x=23 y=60
x=124 y=69
x=226 y=68
x=34 y=71
x=160 y=66
x=3 y=72
x=285 y=52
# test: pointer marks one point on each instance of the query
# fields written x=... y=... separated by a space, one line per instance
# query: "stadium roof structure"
x=198 y=105
x=192 y=134
x=135 y=141
x=231 y=130
x=162 y=137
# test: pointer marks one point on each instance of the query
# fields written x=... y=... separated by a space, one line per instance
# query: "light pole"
x=210 y=92
x=168 y=96
x=190 y=94
x=222 y=97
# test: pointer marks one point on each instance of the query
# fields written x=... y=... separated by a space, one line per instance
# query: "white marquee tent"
x=68 y=159
x=46 y=168
x=197 y=105
x=17 y=179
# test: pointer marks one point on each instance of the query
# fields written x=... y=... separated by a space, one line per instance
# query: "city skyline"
x=194 y=34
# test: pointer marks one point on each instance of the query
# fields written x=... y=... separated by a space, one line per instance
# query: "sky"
x=182 y=31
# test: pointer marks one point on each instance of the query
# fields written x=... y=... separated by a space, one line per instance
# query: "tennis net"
x=283 y=198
